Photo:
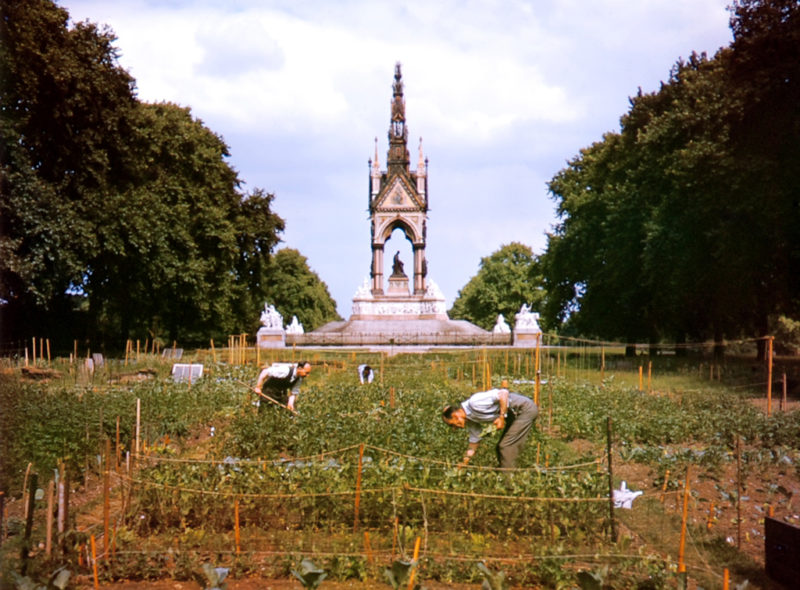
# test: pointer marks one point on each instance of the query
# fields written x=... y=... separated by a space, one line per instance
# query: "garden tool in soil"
x=266 y=397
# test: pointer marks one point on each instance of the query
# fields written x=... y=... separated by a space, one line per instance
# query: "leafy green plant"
x=492 y=580
x=593 y=580
x=58 y=579
x=310 y=575
x=398 y=574
x=214 y=576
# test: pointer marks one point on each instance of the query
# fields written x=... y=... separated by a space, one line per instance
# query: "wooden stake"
x=236 y=525
x=783 y=396
x=358 y=485
x=368 y=548
x=738 y=493
x=416 y=563
x=610 y=482
x=769 y=377
x=48 y=541
x=138 y=423
x=682 y=547
x=537 y=370
x=664 y=487
x=94 y=563
x=106 y=496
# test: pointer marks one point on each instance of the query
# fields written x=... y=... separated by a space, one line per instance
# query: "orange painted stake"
x=682 y=548
x=236 y=524
x=710 y=519
x=415 y=558
x=726 y=579
x=640 y=378
x=650 y=376
x=368 y=548
x=358 y=485
x=94 y=563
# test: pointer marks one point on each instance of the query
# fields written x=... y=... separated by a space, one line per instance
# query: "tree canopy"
x=506 y=279
x=118 y=219
x=294 y=289
x=684 y=223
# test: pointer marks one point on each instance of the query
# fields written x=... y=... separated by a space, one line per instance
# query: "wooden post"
x=391 y=396
x=649 y=376
x=34 y=350
x=63 y=501
x=641 y=385
x=769 y=377
x=738 y=493
x=2 y=516
x=783 y=395
x=368 y=548
x=537 y=371
x=610 y=482
x=106 y=496
x=118 y=449
x=358 y=485
x=602 y=363
x=710 y=519
x=416 y=563
x=685 y=514
x=664 y=487
x=138 y=423
x=48 y=352
x=236 y=525
x=30 y=505
x=48 y=541
x=94 y=562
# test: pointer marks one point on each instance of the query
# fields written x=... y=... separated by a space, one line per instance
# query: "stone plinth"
x=398 y=286
x=271 y=337
x=526 y=327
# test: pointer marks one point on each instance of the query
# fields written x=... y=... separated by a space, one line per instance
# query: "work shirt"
x=481 y=408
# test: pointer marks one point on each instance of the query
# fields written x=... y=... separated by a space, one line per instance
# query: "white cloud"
x=504 y=93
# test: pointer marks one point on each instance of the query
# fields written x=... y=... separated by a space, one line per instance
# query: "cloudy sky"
x=503 y=94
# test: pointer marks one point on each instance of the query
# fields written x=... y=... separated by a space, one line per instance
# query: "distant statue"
x=526 y=319
x=295 y=327
x=271 y=318
x=397 y=266
x=500 y=326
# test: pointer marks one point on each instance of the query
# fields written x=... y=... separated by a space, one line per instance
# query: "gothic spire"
x=397 y=159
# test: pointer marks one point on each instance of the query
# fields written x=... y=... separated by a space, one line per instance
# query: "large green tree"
x=65 y=109
x=296 y=290
x=684 y=223
x=118 y=219
x=506 y=280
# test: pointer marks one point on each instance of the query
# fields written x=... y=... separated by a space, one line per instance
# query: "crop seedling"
x=398 y=574
x=214 y=576
x=592 y=580
x=492 y=580
x=58 y=579
x=310 y=575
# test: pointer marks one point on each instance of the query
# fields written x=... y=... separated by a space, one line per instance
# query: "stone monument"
x=295 y=327
x=271 y=333
x=411 y=306
x=500 y=326
x=526 y=327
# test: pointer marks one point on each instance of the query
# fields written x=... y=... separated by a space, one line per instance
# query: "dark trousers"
x=518 y=427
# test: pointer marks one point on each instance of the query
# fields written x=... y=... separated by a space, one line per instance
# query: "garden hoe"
x=266 y=397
